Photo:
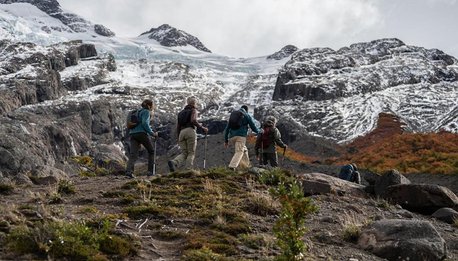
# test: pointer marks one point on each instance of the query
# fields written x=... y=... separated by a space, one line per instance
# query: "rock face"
x=398 y=239
x=34 y=76
x=170 y=36
x=283 y=53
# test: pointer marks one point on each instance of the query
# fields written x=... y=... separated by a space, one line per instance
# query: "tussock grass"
x=352 y=227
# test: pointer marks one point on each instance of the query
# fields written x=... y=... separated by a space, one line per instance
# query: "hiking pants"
x=272 y=157
x=241 y=153
x=187 y=140
x=136 y=140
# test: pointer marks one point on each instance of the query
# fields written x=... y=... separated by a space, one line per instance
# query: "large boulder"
x=398 y=239
x=319 y=183
x=392 y=177
x=422 y=198
x=448 y=215
x=47 y=175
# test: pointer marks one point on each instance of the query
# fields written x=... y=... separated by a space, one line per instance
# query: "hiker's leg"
x=178 y=160
x=264 y=159
x=273 y=158
x=145 y=140
x=133 y=155
x=191 y=146
x=239 y=150
x=245 y=161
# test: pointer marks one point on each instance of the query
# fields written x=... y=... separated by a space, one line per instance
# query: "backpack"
x=184 y=117
x=236 y=119
x=346 y=172
x=133 y=119
x=266 y=137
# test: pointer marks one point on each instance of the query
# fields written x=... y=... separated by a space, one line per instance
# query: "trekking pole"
x=261 y=156
x=205 y=152
x=155 y=146
x=154 y=155
x=283 y=158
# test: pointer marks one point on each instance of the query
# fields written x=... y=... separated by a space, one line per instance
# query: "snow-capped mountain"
x=339 y=94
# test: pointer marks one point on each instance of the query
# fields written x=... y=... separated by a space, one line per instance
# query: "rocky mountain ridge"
x=344 y=91
x=169 y=36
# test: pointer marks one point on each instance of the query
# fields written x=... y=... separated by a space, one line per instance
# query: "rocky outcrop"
x=318 y=183
x=103 y=31
x=50 y=135
x=398 y=239
x=283 y=53
x=390 y=178
x=31 y=74
x=422 y=198
x=170 y=36
x=448 y=215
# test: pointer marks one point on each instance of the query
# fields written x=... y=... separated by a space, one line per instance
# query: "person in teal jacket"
x=238 y=138
x=141 y=135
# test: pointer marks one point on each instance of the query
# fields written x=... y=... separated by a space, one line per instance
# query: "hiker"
x=350 y=173
x=187 y=136
x=236 y=132
x=267 y=141
x=140 y=133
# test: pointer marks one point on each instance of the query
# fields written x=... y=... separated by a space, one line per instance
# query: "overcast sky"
x=248 y=28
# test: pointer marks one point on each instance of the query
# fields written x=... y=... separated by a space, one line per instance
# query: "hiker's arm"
x=278 y=141
x=145 y=116
x=252 y=125
x=195 y=122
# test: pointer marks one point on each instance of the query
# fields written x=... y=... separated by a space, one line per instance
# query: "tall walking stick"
x=205 y=151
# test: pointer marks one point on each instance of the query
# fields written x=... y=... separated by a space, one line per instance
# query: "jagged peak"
x=283 y=53
x=170 y=36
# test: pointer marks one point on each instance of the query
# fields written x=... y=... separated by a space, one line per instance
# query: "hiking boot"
x=149 y=174
x=130 y=175
x=171 y=166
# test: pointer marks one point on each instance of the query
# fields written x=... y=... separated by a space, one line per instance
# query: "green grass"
x=69 y=241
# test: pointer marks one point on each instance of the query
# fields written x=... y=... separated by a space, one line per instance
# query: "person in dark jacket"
x=187 y=136
x=350 y=173
x=141 y=135
x=265 y=147
x=238 y=138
